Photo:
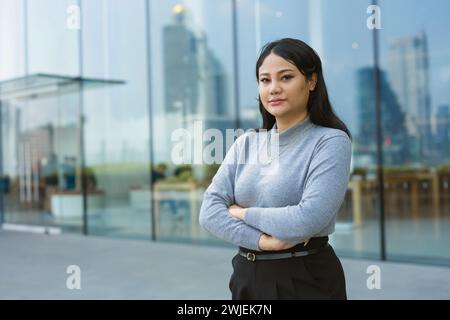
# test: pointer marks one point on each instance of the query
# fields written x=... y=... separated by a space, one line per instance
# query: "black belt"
x=251 y=256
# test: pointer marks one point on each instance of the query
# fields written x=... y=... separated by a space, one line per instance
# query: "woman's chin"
x=277 y=111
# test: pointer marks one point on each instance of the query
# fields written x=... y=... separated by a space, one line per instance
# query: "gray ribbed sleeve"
x=218 y=197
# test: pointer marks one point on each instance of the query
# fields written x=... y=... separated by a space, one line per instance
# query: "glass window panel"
x=415 y=59
x=192 y=84
x=117 y=118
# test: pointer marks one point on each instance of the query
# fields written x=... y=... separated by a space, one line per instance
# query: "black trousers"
x=316 y=276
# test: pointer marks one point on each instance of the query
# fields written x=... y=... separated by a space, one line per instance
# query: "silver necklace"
x=278 y=154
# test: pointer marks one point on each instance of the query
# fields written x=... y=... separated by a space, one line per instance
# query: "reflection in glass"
x=116 y=118
x=415 y=58
x=194 y=60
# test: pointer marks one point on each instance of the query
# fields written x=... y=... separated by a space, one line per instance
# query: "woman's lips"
x=276 y=102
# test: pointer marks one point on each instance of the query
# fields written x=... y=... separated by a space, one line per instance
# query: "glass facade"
x=126 y=158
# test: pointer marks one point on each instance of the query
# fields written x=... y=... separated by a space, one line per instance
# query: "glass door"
x=41 y=161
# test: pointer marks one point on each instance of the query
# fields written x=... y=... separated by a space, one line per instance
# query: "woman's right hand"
x=269 y=243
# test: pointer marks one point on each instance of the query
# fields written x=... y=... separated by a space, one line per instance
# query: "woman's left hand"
x=237 y=212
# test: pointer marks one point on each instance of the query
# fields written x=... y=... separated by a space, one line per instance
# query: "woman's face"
x=283 y=89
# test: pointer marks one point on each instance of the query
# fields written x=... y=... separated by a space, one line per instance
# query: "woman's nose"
x=274 y=87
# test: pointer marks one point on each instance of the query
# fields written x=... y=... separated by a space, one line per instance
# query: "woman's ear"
x=312 y=82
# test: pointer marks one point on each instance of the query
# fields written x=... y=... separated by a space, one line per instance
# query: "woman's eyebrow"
x=281 y=71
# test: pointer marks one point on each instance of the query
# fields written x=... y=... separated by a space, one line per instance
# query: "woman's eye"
x=264 y=80
x=286 y=77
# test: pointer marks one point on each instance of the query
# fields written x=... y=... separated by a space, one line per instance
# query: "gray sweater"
x=293 y=198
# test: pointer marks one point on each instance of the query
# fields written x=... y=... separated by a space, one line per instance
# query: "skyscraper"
x=395 y=137
x=181 y=69
x=195 y=82
x=194 y=78
x=408 y=73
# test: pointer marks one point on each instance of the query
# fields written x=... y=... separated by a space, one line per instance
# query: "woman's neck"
x=283 y=124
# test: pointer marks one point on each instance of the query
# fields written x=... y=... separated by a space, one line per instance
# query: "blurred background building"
x=92 y=91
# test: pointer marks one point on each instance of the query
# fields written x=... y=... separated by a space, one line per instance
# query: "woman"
x=281 y=221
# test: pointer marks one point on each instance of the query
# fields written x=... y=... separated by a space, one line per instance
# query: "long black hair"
x=308 y=62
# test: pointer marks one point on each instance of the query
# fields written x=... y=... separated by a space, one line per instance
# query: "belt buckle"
x=251 y=256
